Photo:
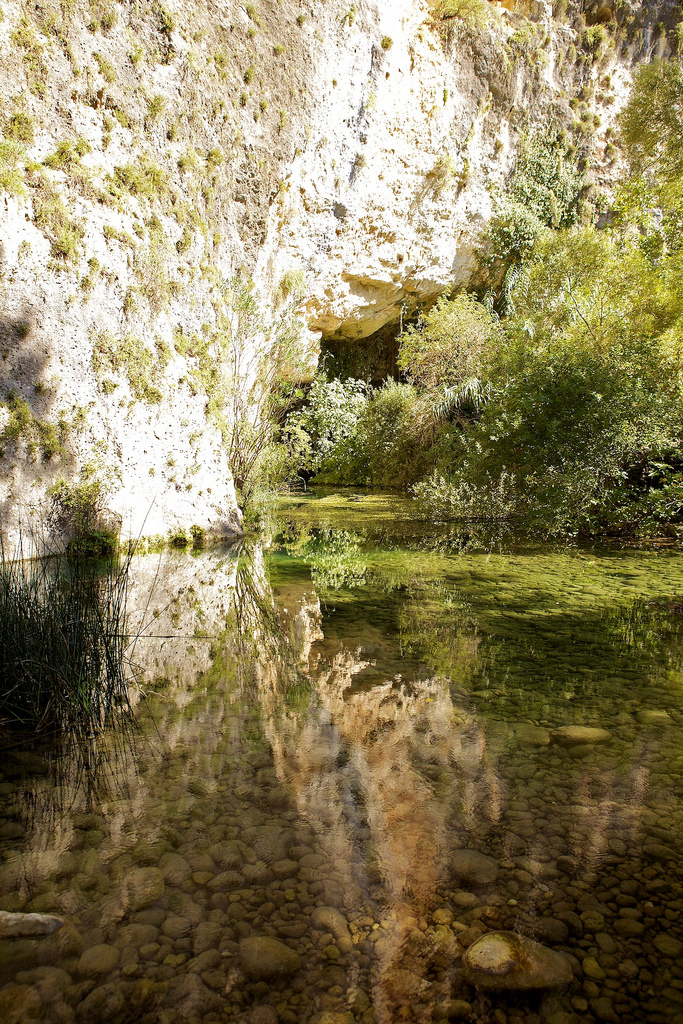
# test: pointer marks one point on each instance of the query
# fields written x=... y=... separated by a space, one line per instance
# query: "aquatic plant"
x=65 y=655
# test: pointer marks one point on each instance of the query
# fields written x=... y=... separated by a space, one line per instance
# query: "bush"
x=449 y=345
x=474 y=13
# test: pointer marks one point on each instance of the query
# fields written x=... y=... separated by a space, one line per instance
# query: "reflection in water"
x=331 y=725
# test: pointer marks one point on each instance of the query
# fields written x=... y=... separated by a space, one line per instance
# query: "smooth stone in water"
x=98 y=960
x=25 y=926
x=473 y=867
x=531 y=735
x=327 y=919
x=580 y=734
x=143 y=887
x=264 y=957
x=668 y=945
x=504 y=960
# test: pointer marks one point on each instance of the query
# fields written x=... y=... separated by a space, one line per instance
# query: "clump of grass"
x=20 y=127
x=65 y=654
x=106 y=68
x=387 y=42
x=292 y=284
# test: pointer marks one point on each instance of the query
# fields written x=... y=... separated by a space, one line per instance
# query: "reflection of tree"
x=440 y=629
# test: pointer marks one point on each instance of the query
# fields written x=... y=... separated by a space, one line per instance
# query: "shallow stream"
x=331 y=720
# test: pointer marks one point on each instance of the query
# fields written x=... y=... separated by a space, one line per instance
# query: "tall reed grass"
x=65 y=656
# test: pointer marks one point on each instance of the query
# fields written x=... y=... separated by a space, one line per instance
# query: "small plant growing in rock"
x=106 y=69
x=249 y=75
x=300 y=19
x=387 y=42
x=279 y=49
x=20 y=127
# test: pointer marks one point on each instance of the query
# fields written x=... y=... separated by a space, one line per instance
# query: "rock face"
x=342 y=161
x=263 y=957
x=506 y=961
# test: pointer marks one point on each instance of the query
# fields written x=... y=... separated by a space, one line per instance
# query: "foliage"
x=254 y=384
x=347 y=433
x=474 y=13
x=39 y=436
x=581 y=429
x=544 y=191
x=652 y=122
x=450 y=344
x=78 y=515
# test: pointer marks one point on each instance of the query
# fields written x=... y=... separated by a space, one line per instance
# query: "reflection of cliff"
x=376 y=763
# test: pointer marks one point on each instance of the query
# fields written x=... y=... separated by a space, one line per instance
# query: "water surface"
x=330 y=719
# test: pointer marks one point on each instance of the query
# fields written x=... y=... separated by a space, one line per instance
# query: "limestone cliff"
x=340 y=156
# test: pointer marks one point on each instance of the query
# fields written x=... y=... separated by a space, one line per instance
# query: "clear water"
x=329 y=719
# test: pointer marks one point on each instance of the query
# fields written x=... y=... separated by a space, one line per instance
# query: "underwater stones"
x=224 y=882
x=550 y=929
x=658 y=851
x=98 y=960
x=263 y=957
x=226 y=856
x=257 y=874
x=473 y=867
x=452 y=1009
x=653 y=717
x=592 y=969
x=269 y=842
x=142 y=887
x=667 y=945
x=628 y=928
x=104 y=1003
x=605 y=942
x=530 y=735
x=175 y=927
x=580 y=734
x=503 y=960
x=593 y=920
x=137 y=935
x=327 y=919
x=263 y=1015
x=284 y=868
x=23 y=926
x=603 y=1009
x=20 y=1004
x=467 y=900
x=175 y=869
x=206 y=937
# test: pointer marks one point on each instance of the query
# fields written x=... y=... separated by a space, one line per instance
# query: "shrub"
x=474 y=13
x=449 y=345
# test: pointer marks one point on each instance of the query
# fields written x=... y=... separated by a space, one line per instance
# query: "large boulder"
x=501 y=961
